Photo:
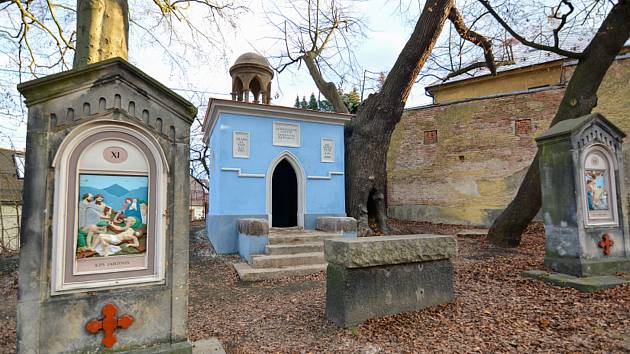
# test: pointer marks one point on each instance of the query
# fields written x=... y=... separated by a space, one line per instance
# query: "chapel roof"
x=251 y=58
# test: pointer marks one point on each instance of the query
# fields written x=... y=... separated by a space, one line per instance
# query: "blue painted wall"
x=232 y=197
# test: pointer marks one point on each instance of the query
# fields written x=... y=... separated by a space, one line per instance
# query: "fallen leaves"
x=495 y=310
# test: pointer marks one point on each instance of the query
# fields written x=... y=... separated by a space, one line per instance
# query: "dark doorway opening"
x=284 y=196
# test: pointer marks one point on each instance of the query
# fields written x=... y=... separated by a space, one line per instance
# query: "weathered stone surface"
x=336 y=224
x=354 y=295
x=584 y=284
x=253 y=227
x=111 y=92
x=374 y=251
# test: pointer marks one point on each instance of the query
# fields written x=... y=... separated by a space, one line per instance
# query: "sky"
x=207 y=76
x=201 y=71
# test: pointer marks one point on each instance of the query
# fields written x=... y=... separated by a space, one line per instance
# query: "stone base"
x=588 y=267
x=354 y=295
x=174 y=348
x=583 y=284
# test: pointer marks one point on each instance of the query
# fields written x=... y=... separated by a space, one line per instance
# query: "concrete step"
x=294 y=248
x=287 y=260
x=247 y=273
x=300 y=238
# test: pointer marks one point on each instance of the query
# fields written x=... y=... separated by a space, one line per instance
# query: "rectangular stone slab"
x=354 y=295
x=385 y=250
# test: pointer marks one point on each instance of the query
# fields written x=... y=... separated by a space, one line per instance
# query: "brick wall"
x=481 y=152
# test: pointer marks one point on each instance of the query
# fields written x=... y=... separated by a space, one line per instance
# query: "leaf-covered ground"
x=495 y=310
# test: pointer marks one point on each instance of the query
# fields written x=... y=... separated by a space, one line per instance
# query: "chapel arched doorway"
x=284 y=198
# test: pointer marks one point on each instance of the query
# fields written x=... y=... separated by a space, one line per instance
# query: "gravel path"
x=495 y=310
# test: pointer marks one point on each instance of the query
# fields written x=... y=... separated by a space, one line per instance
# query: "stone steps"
x=300 y=237
x=247 y=273
x=290 y=252
x=287 y=260
x=295 y=248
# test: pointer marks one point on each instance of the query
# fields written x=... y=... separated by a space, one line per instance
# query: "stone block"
x=354 y=295
x=339 y=224
x=253 y=237
x=253 y=227
x=380 y=250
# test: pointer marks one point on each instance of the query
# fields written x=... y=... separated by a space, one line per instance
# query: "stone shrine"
x=104 y=257
x=280 y=164
x=581 y=173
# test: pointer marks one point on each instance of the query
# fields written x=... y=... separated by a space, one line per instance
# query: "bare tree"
x=579 y=99
x=368 y=135
x=39 y=38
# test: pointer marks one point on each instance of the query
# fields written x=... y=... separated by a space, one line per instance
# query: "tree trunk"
x=102 y=31
x=368 y=134
x=579 y=99
x=328 y=89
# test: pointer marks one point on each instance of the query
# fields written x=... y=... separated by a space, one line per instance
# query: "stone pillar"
x=581 y=174
x=79 y=262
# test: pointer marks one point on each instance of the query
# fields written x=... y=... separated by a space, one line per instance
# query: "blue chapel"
x=282 y=164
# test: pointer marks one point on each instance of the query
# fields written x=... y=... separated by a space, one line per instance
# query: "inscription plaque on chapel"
x=286 y=134
x=240 y=144
x=328 y=150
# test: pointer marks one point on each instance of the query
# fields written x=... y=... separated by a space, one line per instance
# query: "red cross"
x=109 y=324
x=606 y=243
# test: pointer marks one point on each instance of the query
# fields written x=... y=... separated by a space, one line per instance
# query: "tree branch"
x=466 y=33
x=554 y=49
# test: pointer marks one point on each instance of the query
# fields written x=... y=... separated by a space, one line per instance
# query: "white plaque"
x=286 y=134
x=240 y=144
x=328 y=150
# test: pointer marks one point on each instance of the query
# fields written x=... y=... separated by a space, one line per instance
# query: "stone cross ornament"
x=606 y=244
x=108 y=324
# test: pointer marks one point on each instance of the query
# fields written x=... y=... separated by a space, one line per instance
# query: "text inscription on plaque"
x=286 y=134
x=240 y=144
x=328 y=150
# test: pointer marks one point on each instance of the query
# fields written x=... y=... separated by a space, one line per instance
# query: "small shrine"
x=281 y=164
x=581 y=174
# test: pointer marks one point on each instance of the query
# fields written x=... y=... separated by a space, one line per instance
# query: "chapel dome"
x=251 y=74
x=252 y=58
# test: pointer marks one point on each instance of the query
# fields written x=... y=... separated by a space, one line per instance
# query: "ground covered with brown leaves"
x=495 y=310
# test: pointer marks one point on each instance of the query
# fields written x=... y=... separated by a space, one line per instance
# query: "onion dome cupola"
x=251 y=78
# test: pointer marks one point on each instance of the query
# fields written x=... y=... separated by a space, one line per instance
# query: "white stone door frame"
x=301 y=185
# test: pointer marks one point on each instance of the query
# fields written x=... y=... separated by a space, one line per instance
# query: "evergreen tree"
x=297 y=102
x=352 y=99
x=304 y=104
x=312 y=102
x=326 y=106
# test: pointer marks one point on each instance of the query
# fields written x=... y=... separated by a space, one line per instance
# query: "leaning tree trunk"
x=579 y=99
x=102 y=31
x=369 y=133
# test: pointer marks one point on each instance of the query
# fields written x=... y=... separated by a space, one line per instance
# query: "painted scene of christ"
x=112 y=214
x=596 y=190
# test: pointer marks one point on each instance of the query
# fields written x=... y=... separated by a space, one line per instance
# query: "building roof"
x=523 y=56
x=11 y=175
x=216 y=106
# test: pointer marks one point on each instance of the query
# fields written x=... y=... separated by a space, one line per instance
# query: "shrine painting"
x=597 y=195
x=112 y=216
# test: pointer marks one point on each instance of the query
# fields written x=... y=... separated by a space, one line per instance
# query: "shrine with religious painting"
x=112 y=220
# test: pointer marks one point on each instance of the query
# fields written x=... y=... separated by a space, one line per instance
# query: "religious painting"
x=112 y=221
x=599 y=189
x=597 y=194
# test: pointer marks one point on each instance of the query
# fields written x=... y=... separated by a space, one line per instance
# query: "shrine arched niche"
x=110 y=189
x=599 y=190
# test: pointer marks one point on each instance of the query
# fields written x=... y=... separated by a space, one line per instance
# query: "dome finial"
x=251 y=73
